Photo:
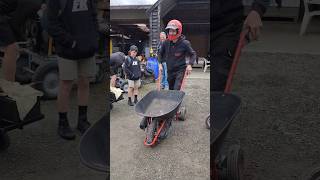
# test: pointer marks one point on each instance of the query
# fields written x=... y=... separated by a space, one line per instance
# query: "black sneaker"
x=130 y=103
x=83 y=125
x=65 y=131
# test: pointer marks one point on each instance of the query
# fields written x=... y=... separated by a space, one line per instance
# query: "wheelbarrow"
x=10 y=119
x=94 y=149
x=159 y=108
x=225 y=108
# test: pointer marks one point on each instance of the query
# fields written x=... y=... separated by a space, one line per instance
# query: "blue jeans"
x=164 y=81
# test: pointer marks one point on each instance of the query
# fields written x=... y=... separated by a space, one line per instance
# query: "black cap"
x=134 y=48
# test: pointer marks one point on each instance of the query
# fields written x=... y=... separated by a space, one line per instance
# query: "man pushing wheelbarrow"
x=159 y=108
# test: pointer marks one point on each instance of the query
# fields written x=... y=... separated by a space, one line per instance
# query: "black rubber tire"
x=235 y=164
x=151 y=130
x=314 y=174
x=208 y=122
x=4 y=141
x=101 y=72
x=22 y=76
x=47 y=79
x=182 y=113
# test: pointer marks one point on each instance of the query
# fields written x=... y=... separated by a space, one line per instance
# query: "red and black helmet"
x=176 y=25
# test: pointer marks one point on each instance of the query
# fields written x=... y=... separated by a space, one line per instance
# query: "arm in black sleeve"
x=126 y=67
x=191 y=52
x=95 y=13
x=55 y=27
x=162 y=52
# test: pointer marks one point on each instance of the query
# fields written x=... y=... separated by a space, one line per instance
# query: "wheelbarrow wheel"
x=23 y=76
x=151 y=129
x=182 y=113
x=208 y=122
x=314 y=174
x=4 y=141
x=235 y=163
x=46 y=78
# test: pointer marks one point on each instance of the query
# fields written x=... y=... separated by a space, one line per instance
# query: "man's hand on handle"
x=189 y=69
x=254 y=24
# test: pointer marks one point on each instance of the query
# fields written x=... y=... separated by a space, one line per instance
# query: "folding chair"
x=308 y=14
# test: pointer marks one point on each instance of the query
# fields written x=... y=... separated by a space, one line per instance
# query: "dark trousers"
x=175 y=79
x=224 y=44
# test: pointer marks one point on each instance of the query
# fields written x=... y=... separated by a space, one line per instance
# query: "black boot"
x=130 y=102
x=143 y=123
x=65 y=131
x=135 y=99
x=83 y=124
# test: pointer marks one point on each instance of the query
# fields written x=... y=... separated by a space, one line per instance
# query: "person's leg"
x=113 y=80
x=171 y=80
x=136 y=90
x=67 y=73
x=224 y=44
x=11 y=53
x=130 y=92
x=178 y=79
x=86 y=70
x=10 y=48
x=165 y=77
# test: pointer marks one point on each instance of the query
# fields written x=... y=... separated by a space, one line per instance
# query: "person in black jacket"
x=116 y=61
x=133 y=72
x=174 y=51
x=227 y=24
x=13 y=15
x=74 y=27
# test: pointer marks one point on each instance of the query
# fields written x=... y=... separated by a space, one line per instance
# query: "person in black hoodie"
x=74 y=27
x=13 y=15
x=227 y=24
x=133 y=72
x=174 y=51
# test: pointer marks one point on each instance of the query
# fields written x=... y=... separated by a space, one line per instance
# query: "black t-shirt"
x=175 y=54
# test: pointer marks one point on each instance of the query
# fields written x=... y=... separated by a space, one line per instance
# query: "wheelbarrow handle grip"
x=183 y=81
x=159 y=80
x=243 y=40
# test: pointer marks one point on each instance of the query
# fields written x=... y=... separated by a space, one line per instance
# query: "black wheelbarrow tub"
x=160 y=103
x=9 y=115
x=93 y=146
x=225 y=108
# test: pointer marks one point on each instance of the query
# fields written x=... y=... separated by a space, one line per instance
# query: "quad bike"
x=37 y=63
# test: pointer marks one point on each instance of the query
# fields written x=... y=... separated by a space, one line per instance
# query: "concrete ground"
x=38 y=153
x=278 y=82
x=283 y=37
x=183 y=155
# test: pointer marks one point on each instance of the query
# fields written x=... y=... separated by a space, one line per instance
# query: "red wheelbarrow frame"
x=243 y=40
